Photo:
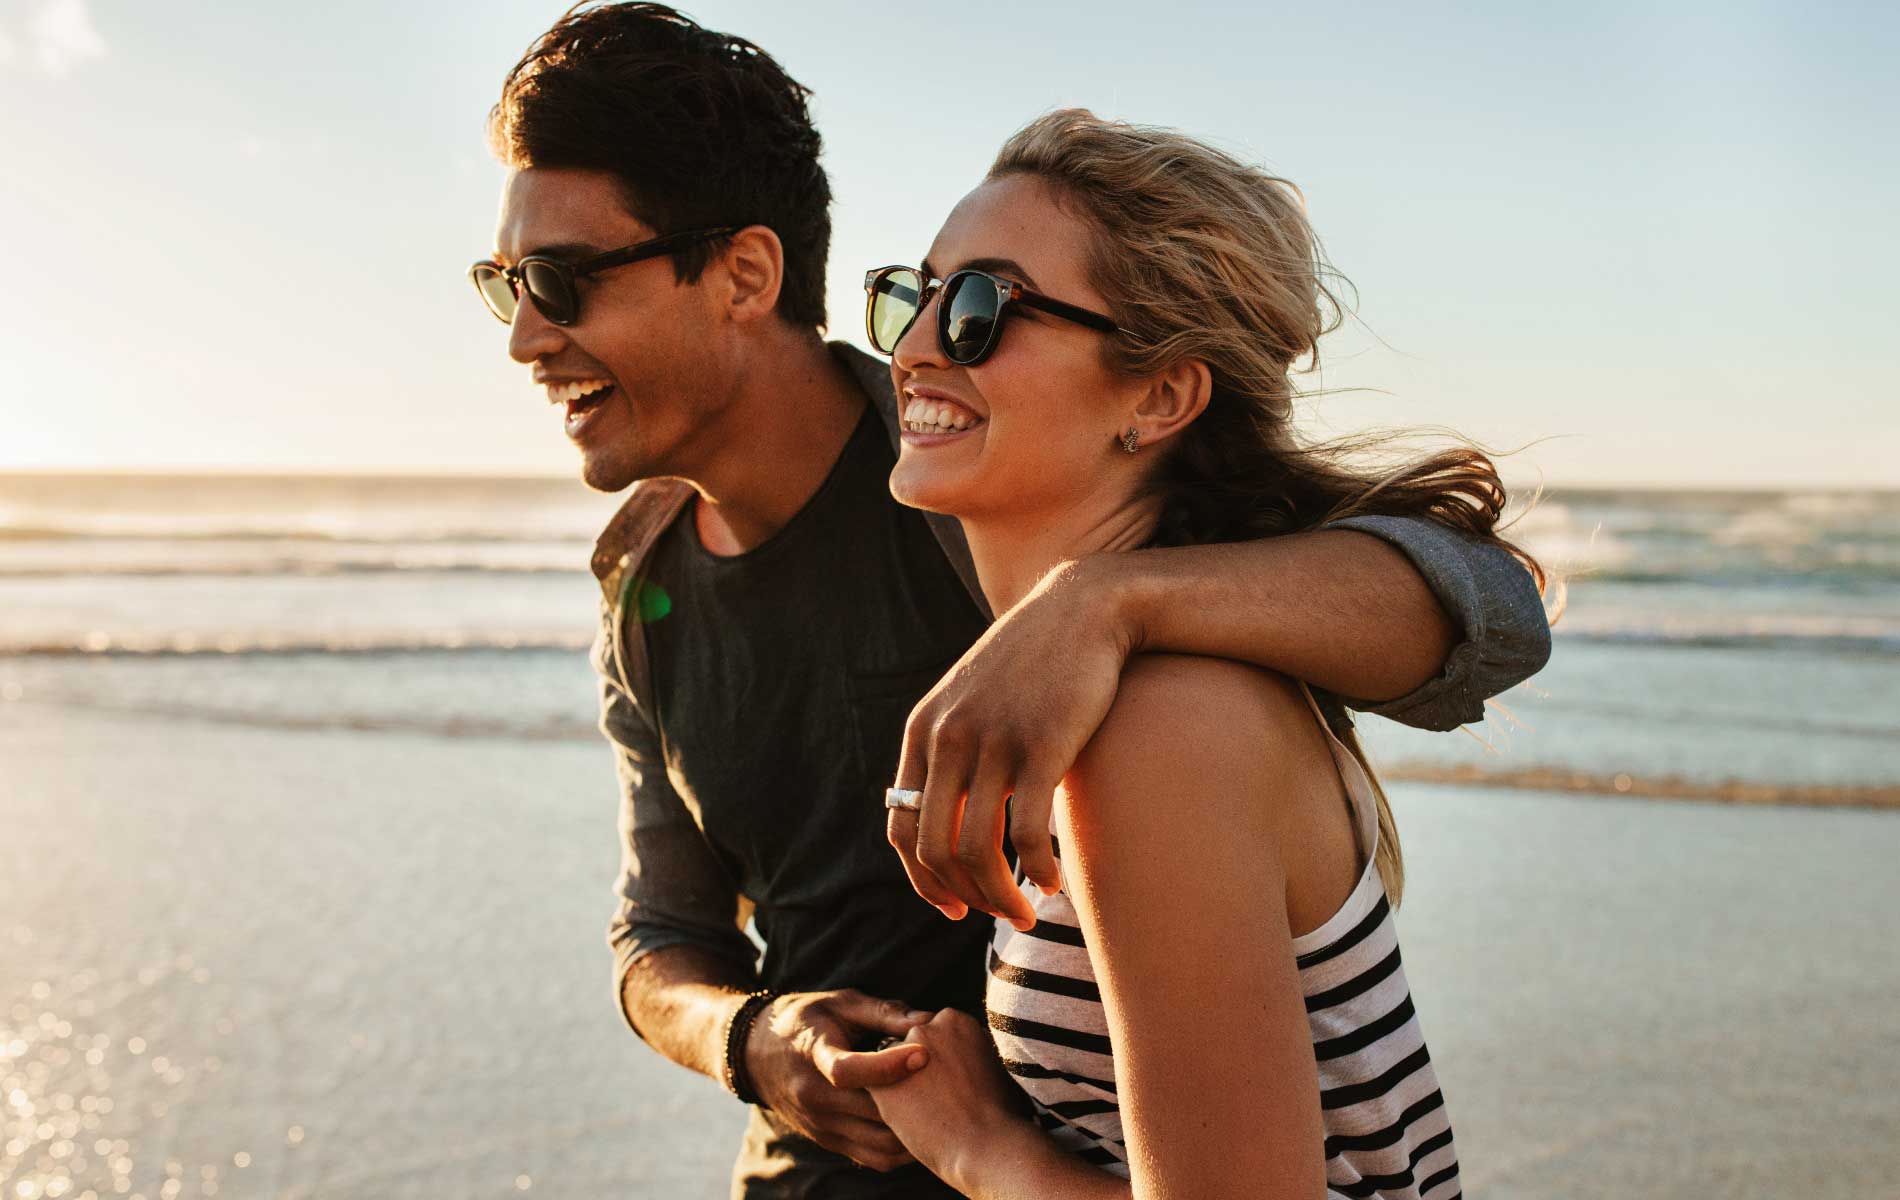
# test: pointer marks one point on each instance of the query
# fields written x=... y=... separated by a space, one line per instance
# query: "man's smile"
x=581 y=398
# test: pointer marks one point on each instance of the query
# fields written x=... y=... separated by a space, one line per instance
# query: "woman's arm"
x=1172 y=825
x=1174 y=828
x=962 y=1117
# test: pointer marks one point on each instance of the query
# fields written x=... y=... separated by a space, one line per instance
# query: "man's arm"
x=1382 y=607
x=683 y=968
x=1396 y=615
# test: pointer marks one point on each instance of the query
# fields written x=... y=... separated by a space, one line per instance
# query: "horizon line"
x=264 y=472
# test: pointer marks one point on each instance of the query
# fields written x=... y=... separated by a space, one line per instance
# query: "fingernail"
x=1049 y=889
x=1023 y=924
x=918 y=1014
x=915 y=1062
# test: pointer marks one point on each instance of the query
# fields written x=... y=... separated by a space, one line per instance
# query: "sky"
x=1652 y=244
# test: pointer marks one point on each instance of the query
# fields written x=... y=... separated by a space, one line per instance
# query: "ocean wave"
x=181 y=645
x=288 y=567
x=557 y=728
x=1656 y=787
x=166 y=529
x=580 y=727
x=1883 y=644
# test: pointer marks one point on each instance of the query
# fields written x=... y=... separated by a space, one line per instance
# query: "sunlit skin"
x=710 y=384
x=633 y=329
x=1042 y=477
x=1204 y=825
x=713 y=386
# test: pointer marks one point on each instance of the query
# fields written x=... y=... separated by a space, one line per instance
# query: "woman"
x=1212 y=1004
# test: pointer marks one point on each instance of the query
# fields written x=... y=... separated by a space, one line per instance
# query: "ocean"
x=306 y=841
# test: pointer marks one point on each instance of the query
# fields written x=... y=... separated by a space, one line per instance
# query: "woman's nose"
x=919 y=346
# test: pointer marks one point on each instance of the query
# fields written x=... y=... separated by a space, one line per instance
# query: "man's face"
x=640 y=331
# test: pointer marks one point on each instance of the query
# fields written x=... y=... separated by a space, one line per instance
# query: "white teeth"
x=923 y=416
x=568 y=392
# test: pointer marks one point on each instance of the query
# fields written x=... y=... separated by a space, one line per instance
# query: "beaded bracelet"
x=738 y=1079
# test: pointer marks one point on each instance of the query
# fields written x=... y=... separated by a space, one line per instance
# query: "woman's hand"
x=957 y=1109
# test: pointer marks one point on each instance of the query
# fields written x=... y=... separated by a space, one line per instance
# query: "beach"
x=307 y=842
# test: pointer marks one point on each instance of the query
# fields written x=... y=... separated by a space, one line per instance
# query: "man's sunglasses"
x=549 y=281
x=969 y=314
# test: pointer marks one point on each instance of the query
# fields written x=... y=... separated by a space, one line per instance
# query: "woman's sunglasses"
x=970 y=311
x=549 y=281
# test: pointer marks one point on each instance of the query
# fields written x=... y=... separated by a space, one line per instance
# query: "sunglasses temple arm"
x=1068 y=312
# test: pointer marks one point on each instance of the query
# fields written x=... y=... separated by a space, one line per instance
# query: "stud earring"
x=1131 y=441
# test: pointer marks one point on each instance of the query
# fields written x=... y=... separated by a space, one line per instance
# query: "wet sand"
x=370 y=964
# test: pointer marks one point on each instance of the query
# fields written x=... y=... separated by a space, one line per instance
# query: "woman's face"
x=1034 y=426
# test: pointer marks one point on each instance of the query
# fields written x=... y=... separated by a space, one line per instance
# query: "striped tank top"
x=1387 y=1132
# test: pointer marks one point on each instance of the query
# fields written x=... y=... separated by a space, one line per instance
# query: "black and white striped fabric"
x=1387 y=1132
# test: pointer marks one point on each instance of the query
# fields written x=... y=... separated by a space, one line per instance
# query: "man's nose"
x=532 y=336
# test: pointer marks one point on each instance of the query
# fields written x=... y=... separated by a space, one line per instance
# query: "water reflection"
x=79 y=1104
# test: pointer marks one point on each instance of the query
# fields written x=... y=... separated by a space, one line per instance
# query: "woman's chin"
x=915 y=485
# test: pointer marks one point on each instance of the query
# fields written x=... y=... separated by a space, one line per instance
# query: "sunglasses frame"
x=570 y=272
x=1008 y=293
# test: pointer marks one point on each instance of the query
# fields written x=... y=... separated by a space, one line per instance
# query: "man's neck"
x=795 y=408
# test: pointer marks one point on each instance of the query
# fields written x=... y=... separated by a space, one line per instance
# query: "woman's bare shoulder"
x=1179 y=717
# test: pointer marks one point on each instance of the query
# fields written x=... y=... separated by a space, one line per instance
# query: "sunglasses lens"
x=969 y=317
x=550 y=289
x=893 y=306
x=496 y=291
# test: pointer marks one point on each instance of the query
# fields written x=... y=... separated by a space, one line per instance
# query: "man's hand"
x=799 y=1054
x=1011 y=717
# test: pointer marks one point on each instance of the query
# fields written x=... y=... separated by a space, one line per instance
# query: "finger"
x=1031 y=828
x=872 y=1068
x=980 y=843
x=869 y=1142
x=892 y=1017
x=901 y=830
x=824 y=1102
x=902 y=826
x=946 y=779
x=914 y=755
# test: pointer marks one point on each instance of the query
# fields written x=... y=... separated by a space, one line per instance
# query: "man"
x=771 y=617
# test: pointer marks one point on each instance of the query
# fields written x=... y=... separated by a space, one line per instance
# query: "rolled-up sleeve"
x=1490 y=596
x=672 y=889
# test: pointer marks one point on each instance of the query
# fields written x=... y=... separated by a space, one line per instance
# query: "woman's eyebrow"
x=1007 y=267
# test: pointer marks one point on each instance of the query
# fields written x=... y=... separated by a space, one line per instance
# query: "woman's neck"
x=1014 y=551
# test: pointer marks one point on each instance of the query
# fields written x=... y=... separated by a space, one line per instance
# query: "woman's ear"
x=753 y=262
x=1172 y=400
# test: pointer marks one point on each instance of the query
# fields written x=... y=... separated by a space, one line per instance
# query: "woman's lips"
x=927 y=414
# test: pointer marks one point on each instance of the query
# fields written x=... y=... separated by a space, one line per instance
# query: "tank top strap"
x=1354 y=778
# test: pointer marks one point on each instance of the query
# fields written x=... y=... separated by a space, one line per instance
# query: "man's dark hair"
x=700 y=128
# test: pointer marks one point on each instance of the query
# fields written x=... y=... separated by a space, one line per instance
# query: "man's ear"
x=753 y=262
x=1173 y=399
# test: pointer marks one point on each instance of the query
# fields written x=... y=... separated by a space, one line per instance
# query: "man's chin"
x=609 y=473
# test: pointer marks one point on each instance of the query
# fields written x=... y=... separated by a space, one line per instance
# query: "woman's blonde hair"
x=1202 y=256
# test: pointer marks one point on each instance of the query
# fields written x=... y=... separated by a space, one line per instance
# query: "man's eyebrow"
x=1009 y=268
x=567 y=250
